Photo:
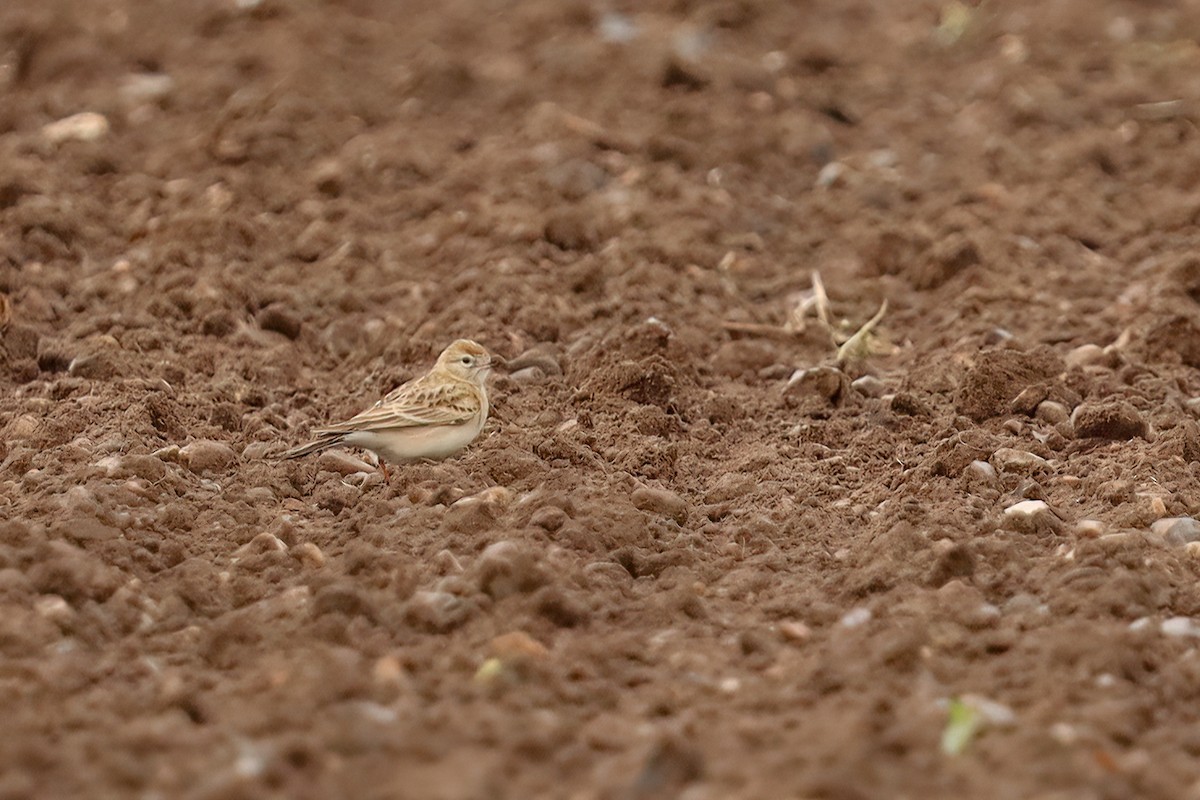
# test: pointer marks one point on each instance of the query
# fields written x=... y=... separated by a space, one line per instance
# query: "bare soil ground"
x=662 y=572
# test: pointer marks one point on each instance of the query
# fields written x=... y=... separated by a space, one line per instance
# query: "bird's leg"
x=380 y=465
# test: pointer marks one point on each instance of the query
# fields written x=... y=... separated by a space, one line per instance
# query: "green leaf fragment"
x=963 y=721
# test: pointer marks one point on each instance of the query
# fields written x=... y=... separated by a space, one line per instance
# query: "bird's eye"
x=466 y=360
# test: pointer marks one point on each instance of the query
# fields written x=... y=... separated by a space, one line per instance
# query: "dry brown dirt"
x=661 y=572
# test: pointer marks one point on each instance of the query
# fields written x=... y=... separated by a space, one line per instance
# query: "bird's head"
x=466 y=360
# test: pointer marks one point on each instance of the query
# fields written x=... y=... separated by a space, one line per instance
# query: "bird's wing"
x=416 y=405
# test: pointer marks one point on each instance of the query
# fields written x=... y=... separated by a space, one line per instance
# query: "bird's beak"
x=495 y=361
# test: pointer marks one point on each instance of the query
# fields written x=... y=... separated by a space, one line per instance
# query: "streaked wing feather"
x=416 y=405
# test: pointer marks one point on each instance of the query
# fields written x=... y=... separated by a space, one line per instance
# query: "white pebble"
x=617 y=28
x=1180 y=626
x=110 y=464
x=1008 y=459
x=146 y=87
x=86 y=127
x=830 y=174
x=856 y=617
x=981 y=470
x=1033 y=516
x=1027 y=508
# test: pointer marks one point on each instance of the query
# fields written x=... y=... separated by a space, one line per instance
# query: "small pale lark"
x=430 y=417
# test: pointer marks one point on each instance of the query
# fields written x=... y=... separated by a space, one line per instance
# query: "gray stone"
x=1177 y=530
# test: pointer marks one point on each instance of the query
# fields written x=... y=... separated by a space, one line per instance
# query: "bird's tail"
x=324 y=442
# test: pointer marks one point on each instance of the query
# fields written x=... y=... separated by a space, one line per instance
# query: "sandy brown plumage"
x=433 y=416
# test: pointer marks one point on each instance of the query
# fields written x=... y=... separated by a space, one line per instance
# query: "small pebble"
x=111 y=465
x=257 y=451
x=1086 y=355
x=856 y=617
x=1177 y=530
x=342 y=463
x=262 y=543
x=1064 y=733
x=616 y=27
x=1180 y=626
x=794 y=631
x=1052 y=412
x=660 y=501
x=85 y=127
x=308 y=554
x=822 y=383
x=504 y=568
x=1008 y=459
x=146 y=87
x=388 y=671
x=830 y=175
x=437 y=611
x=980 y=470
x=54 y=608
x=997 y=336
x=868 y=386
x=1089 y=528
x=517 y=646
x=1032 y=516
x=528 y=375
x=546 y=362
x=1027 y=401
x=1023 y=603
x=206 y=455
